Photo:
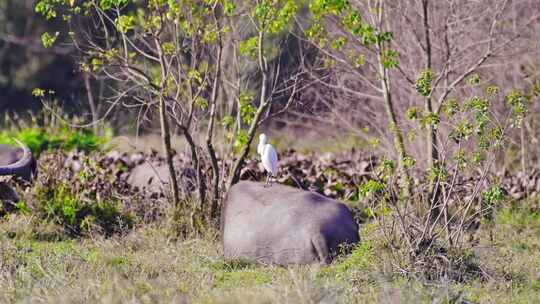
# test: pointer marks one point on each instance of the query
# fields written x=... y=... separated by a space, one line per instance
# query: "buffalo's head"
x=18 y=163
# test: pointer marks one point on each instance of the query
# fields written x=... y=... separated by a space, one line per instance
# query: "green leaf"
x=108 y=4
x=451 y=107
x=240 y=141
x=462 y=131
x=168 y=48
x=339 y=43
x=492 y=90
x=249 y=47
x=430 y=119
x=413 y=113
x=385 y=37
x=389 y=59
x=48 y=40
x=201 y=103
x=423 y=83
x=370 y=187
x=47 y=8
x=247 y=110
x=323 y=7
x=37 y=92
x=474 y=79
x=493 y=195
x=125 y=23
x=518 y=103
x=227 y=121
x=229 y=8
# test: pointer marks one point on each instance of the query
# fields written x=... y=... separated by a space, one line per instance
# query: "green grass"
x=61 y=137
x=145 y=266
x=60 y=205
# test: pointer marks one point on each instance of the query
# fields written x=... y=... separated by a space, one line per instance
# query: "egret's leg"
x=267 y=179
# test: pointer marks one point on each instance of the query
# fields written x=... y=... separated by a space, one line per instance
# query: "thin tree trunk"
x=432 y=151
x=91 y=102
x=431 y=133
x=201 y=185
x=165 y=130
x=399 y=144
x=263 y=105
x=166 y=137
x=523 y=147
x=210 y=133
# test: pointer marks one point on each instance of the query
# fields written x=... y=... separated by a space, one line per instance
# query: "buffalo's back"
x=278 y=223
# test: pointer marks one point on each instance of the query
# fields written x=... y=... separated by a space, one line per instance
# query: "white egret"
x=269 y=157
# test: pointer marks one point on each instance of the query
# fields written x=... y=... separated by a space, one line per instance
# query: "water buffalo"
x=155 y=178
x=284 y=225
x=17 y=162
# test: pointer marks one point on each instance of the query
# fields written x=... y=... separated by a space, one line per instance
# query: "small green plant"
x=494 y=195
x=86 y=202
x=62 y=205
x=371 y=187
x=356 y=265
x=363 y=256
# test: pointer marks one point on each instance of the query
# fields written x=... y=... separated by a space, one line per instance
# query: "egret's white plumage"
x=269 y=156
x=269 y=159
x=262 y=142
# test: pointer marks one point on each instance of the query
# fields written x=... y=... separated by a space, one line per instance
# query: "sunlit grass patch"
x=509 y=249
x=47 y=139
x=241 y=278
x=357 y=264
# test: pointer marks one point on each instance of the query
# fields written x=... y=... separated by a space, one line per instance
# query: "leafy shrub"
x=61 y=205
x=52 y=129
x=47 y=139
x=91 y=200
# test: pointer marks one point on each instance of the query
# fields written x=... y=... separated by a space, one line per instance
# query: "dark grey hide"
x=17 y=162
x=155 y=178
x=284 y=225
